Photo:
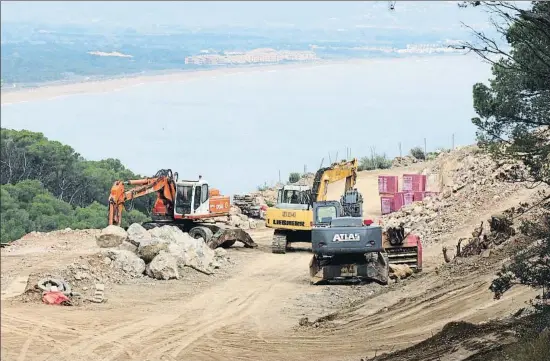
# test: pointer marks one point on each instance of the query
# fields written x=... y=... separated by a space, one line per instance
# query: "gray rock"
x=138 y=234
x=177 y=250
x=111 y=236
x=187 y=251
x=260 y=224
x=168 y=233
x=127 y=246
x=235 y=220
x=149 y=249
x=126 y=261
x=220 y=253
x=199 y=256
x=163 y=267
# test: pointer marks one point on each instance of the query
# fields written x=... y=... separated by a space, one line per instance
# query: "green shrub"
x=418 y=153
x=294 y=177
x=374 y=162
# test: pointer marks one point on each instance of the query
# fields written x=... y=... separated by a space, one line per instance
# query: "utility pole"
x=425 y=149
x=400 y=153
x=279 y=176
x=453 y=142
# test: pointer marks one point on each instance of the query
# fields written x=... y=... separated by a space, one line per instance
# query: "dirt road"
x=250 y=313
x=253 y=314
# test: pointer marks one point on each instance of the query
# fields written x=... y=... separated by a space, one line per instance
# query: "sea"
x=252 y=128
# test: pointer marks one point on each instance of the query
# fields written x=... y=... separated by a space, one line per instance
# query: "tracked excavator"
x=347 y=247
x=292 y=216
x=190 y=205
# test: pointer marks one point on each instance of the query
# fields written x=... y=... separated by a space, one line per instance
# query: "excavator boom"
x=325 y=176
x=185 y=204
x=164 y=185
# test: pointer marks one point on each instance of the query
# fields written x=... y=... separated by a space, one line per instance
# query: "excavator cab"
x=191 y=198
x=293 y=197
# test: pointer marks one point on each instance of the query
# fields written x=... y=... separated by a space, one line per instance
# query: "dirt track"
x=251 y=313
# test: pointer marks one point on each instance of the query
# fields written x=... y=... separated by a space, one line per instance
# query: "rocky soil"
x=468 y=181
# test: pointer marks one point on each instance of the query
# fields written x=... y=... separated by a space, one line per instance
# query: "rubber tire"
x=201 y=232
x=149 y=225
x=228 y=244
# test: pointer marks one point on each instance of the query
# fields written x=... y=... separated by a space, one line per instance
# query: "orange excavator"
x=190 y=205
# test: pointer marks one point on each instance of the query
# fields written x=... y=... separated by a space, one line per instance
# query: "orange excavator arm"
x=162 y=183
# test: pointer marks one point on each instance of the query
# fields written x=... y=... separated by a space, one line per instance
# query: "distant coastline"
x=56 y=89
x=51 y=90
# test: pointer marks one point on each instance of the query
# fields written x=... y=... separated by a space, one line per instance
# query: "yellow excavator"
x=292 y=216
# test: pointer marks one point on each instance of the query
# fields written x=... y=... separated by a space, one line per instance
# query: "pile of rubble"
x=159 y=253
x=468 y=181
x=405 y=161
x=250 y=205
x=237 y=219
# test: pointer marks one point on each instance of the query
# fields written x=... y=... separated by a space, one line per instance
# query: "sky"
x=421 y=15
x=230 y=120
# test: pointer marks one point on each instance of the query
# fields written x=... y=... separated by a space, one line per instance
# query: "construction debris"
x=500 y=229
x=99 y=293
x=468 y=182
x=250 y=205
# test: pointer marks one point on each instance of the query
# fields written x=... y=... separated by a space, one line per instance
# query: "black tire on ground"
x=229 y=243
x=149 y=225
x=201 y=232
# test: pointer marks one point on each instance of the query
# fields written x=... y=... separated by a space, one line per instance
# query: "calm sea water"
x=239 y=130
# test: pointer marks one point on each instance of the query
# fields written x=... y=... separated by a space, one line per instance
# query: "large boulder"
x=148 y=250
x=138 y=234
x=111 y=236
x=127 y=246
x=163 y=267
x=126 y=261
x=400 y=271
x=167 y=233
x=235 y=220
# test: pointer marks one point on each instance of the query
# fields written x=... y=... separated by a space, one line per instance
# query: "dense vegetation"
x=46 y=185
x=514 y=123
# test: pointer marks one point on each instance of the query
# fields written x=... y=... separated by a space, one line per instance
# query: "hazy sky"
x=422 y=15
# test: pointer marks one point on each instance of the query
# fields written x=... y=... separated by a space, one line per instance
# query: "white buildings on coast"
x=256 y=56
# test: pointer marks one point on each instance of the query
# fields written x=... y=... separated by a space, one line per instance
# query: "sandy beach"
x=50 y=91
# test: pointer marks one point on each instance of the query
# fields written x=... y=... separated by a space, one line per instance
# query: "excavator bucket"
x=404 y=249
x=226 y=237
x=369 y=267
